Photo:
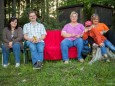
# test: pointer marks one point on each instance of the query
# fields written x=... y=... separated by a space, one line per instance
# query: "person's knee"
x=32 y=48
x=16 y=45
x=40 y=49
x=80 y=40
x=63 y=43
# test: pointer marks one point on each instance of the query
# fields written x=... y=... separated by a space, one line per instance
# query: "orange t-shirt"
x=101 y=27
x=95 y=34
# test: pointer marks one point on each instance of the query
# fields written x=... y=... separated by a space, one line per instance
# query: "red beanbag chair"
x=52 y=50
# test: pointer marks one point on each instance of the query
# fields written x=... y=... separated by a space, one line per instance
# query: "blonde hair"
x=73 y=12
x=94 y=16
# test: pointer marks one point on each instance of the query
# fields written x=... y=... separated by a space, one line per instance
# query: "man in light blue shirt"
x=35 y=33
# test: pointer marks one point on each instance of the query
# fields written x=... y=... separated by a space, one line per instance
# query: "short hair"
x=32 y=12
x=93 y=16
x=73 y=12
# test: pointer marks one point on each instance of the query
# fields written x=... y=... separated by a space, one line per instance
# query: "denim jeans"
x=66 y=44
x=109 y=45
x=36 y=50
x=16 y=51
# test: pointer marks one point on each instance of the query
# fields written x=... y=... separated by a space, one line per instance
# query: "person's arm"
x=83 y=30
x=105 y=29
x=43 y=37
x=98 y=37
x=43 y=33
x=27 y=38
x=66 y=35
x=20 y=35
x=64 y=32
x=85 y=35
x=4 y=36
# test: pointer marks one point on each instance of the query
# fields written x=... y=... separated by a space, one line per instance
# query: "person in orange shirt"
x=101 y=27
x=99 y=39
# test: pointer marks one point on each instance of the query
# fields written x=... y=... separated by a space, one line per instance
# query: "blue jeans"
x=109 y=45
x=36 y=50
x=16 y=51
x=66 y=44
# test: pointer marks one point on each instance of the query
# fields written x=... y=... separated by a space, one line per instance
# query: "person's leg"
x=79 y=44
x=103 y=50
x=33 y=50
x=16 y=51
x=65 y=44
x=40 y=50
x=109 y=45
x=104 y=53
x=5 y=52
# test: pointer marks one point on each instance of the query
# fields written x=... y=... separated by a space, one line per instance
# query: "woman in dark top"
x=12 y=39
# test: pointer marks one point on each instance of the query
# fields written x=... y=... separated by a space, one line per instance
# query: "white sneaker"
x=66 y=62
x=5 y=65
x=17 y=65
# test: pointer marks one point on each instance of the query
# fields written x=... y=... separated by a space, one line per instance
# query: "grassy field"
x=55 y=73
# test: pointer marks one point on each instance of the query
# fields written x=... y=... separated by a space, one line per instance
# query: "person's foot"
x=38 y=65
x=81 y=60
x=6 y=65
x=106 y=59
x=17 y=65
x=66 y=62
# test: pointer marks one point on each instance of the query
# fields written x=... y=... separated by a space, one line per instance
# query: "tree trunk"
x=47 y=10
x=1 y=17
x=14 y=8
x=18 y=8
x=9 y=9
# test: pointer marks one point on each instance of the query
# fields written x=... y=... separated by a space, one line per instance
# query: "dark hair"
x=11 y=20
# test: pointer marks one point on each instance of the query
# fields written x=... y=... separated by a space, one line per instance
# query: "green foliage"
x=53 y=24
x=24 y=17
x=45 y=10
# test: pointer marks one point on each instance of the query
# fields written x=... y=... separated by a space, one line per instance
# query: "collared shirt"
x=36 y=30
x=78 y=30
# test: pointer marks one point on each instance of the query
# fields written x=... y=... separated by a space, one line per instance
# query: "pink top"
x=78 y=30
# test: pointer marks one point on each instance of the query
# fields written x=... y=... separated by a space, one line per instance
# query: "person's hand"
x=86 y=29
x=31 y=39
x=73 y=35
x=10 y=45
x=78 y=36
x=92 y=26
x=38 y=40
x=101 y=45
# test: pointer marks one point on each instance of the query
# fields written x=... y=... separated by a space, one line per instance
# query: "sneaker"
x=66 y=62
x=17 y=65
x=5 y=65
x=107 y=60
x=81 y=60
x=38 y=65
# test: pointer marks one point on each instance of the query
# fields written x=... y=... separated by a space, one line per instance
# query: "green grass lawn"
x=55 y=73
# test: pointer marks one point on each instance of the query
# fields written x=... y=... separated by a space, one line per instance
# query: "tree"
x=1 y=17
